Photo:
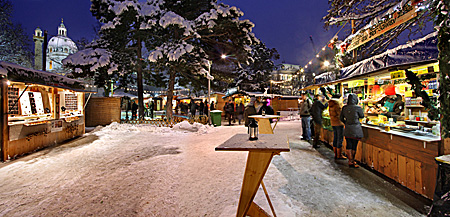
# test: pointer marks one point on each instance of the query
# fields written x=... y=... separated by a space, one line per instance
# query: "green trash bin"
x=216 y=117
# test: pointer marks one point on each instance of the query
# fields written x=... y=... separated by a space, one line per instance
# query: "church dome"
x=61 y=44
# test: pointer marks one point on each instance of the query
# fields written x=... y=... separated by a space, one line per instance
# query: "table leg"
x=264 y=126
x=257 y=164
x=275 y=124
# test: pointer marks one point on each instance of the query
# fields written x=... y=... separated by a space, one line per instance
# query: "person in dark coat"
x=213 y=107
x=193 y=108
x=334 y=108
x=201 y=107
x=350 y=115
x=205 y=108
x=249 y=111
x=316 y=114
x=134 y=108
x=268 y=110
x=240 y=111
x=229 y=111
x=152 y=108
x=305 y=107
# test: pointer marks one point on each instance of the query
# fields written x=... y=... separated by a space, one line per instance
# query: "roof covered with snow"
x=19 y=73
x=420 y=50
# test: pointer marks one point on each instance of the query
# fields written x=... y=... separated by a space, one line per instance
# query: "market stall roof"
x=17 y=73
x=420 y=50
x=325 y=77
x=310 y=87
x=233 y=92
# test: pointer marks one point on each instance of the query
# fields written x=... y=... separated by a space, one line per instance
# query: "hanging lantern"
x=253 y=130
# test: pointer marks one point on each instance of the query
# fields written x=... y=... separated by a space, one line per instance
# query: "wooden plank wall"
x=35 y=142
x=102 y=111
x=407 y=161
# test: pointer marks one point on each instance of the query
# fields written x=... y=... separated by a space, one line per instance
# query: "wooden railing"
x=165 y=122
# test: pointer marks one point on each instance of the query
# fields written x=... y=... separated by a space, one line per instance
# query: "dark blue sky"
x=283 y=24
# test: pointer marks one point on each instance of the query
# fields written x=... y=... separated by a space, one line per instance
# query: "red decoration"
x=389 y=90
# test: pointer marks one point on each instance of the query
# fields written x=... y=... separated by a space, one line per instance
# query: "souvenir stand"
x=39 y=109
x=401 y=146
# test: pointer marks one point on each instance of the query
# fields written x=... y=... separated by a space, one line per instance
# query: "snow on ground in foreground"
x=141 y=170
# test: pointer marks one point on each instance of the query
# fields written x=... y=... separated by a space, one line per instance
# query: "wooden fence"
x=165 y=122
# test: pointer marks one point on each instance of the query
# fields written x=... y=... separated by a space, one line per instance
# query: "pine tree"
x=254 y=75
x=181 y=36
x=14 y=43
x=363 y=12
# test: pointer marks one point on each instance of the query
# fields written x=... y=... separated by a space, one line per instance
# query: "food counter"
x=39 y=109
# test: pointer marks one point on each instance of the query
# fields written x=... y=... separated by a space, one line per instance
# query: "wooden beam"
x=4 y=119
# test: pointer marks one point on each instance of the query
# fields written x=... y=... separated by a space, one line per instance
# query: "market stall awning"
x=420 y=50
x=17 y=73
x=325 y=77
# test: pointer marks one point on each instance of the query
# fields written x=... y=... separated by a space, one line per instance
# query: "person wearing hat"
x=305 y=107
x=249 y=110
x=335 y=107
x=316 y=113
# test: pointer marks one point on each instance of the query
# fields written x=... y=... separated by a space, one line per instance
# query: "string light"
x=331 y=41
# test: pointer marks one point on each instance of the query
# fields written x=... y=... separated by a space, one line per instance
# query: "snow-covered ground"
x=129 y=170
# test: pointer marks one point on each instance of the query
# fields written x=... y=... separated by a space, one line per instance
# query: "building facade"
x=58 y=48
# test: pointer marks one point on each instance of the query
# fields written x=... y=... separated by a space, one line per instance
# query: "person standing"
x=268 y=110
x=334 y=109
x=229 y=110
x=316 y=113
x=213 y=107
x=350 y=115
x=151 y=107
x=305 y=107
x=240 y=111
x=249 y=111
x=205 y=108
x=193 y=108
x=201 y=107
x=134 y=109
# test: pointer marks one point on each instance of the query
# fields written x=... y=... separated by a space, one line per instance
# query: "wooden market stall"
x=402 y=147
x=39 y=109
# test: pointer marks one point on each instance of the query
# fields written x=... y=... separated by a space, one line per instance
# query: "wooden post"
x=4 y=119
x=257 y=164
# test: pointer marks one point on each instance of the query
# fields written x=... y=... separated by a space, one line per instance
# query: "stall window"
x=71 y=101
x=50 y=65
x=13 y=100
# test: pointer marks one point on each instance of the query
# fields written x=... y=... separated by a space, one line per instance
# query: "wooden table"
x=264 y=123
x=260 y=153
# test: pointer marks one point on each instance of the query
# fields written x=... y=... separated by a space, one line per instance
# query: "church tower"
x=38 y=39
x=62 y=31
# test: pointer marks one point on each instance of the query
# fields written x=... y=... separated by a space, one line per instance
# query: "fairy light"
x=324 y=48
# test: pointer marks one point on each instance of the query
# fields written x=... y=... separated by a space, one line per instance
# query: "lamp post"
x=209 y=77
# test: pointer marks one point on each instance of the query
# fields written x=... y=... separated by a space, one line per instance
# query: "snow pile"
x=196 y=127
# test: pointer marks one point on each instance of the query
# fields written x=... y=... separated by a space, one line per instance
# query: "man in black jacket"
x=316 y=113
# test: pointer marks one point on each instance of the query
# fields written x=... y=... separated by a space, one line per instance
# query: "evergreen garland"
x=417 y=86
x=442 y=22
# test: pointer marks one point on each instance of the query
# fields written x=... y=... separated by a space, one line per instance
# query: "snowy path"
x=125 y=170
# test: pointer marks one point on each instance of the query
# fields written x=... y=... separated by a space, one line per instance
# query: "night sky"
x=283 y=24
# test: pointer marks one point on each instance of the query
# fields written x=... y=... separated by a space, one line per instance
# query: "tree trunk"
x=170 y=94
x=139 y=80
